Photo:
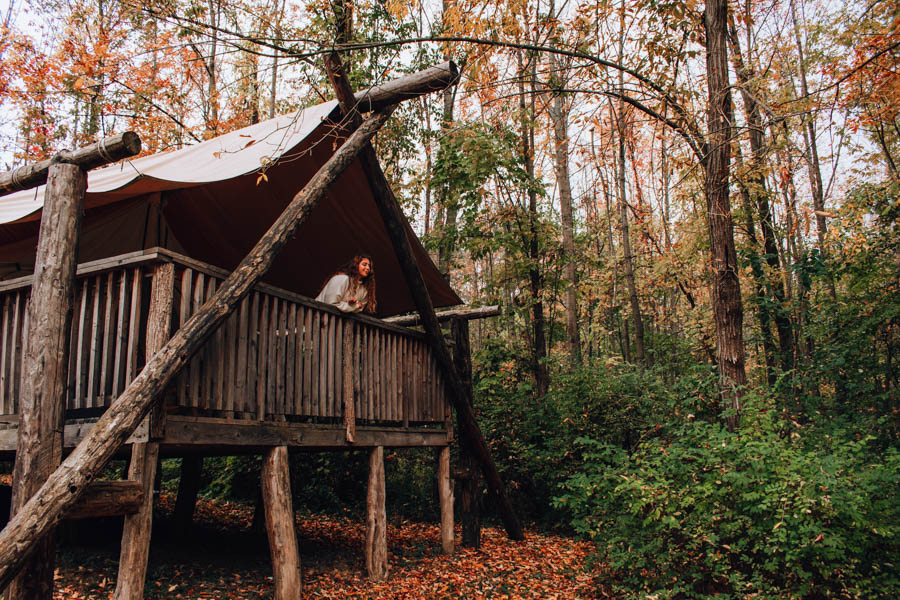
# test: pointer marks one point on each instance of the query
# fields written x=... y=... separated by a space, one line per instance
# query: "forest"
x=688 y=213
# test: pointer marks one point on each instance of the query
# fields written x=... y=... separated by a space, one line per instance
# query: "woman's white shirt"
x=338 y=292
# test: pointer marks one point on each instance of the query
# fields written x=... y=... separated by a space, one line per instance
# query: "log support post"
x=445 y=491
x=188 y=488
x=42 y=397
x=280 y=527
x=376 y=518
x=136 y=531
x=145 y=455
x=349 y=364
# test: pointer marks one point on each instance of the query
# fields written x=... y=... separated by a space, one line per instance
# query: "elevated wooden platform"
x=283 y=370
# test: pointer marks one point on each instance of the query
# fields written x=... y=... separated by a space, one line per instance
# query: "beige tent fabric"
x=208 y=202
x=120 y=228
x=231 y=155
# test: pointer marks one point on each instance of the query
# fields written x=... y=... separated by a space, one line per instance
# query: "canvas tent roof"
x=208 y=202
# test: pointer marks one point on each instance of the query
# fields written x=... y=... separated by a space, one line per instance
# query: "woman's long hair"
x=351 y=269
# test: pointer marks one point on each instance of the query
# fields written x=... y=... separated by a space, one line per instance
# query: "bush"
x=532 y=439
x=706 y=512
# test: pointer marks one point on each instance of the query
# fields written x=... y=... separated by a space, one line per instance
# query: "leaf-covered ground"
x=223 y=558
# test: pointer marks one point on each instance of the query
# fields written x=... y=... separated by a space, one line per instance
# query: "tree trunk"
x=627 y=256
x=759 y=281
x=42 y=397
x=449 y=206
x=469 y=497
x=759 y=196
x=559 y=115
x=728 y=309
x=535 y=277
x=812 y=155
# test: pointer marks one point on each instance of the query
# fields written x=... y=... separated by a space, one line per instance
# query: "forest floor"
x=224 y=558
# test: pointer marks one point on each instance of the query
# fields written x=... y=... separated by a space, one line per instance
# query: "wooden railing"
x=279 y=356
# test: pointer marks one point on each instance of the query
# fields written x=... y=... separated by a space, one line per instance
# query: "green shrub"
x=706 y=512
x=532 y=439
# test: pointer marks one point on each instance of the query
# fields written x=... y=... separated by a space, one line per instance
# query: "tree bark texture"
x=108 y=499
x=44 y=510
x=276 y=492
x=728 y=310
x=559 y=116
x=445 y=492
x=136 y=531
x=42 y=396
x=393 y=220
x=348 y=384
x=376 y=518
x=105 y=151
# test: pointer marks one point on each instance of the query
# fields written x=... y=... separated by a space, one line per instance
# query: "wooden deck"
x=282 y=370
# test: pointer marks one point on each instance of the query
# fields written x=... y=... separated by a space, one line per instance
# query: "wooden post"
x=349 y=364
x=159 y=330
x=376 y=518
x=62 y=489
x=188 y=487
x=136 y=532
x=42 y=393
x=445 y=491
x=394 y=221
x=276 y=493
x=469 y=498
x=144 y=456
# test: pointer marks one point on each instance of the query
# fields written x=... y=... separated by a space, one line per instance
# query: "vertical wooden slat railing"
x=278 y=357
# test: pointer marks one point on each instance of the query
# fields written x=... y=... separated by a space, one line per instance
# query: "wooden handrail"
x=159 y=254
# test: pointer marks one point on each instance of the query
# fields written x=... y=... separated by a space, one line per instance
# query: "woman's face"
x=364 y=268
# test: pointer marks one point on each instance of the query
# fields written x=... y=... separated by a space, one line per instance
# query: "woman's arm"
x=337 y=293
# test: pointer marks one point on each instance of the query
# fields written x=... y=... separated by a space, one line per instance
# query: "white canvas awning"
x=209 y=202
x=231 y=155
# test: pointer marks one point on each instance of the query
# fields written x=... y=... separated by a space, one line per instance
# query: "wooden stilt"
x=376 y=518
x=42 y=395
x=136 y=533
x=188 y=487
x=276 y=491
x=349 y=364
x=145 y=456
x=445 y=491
